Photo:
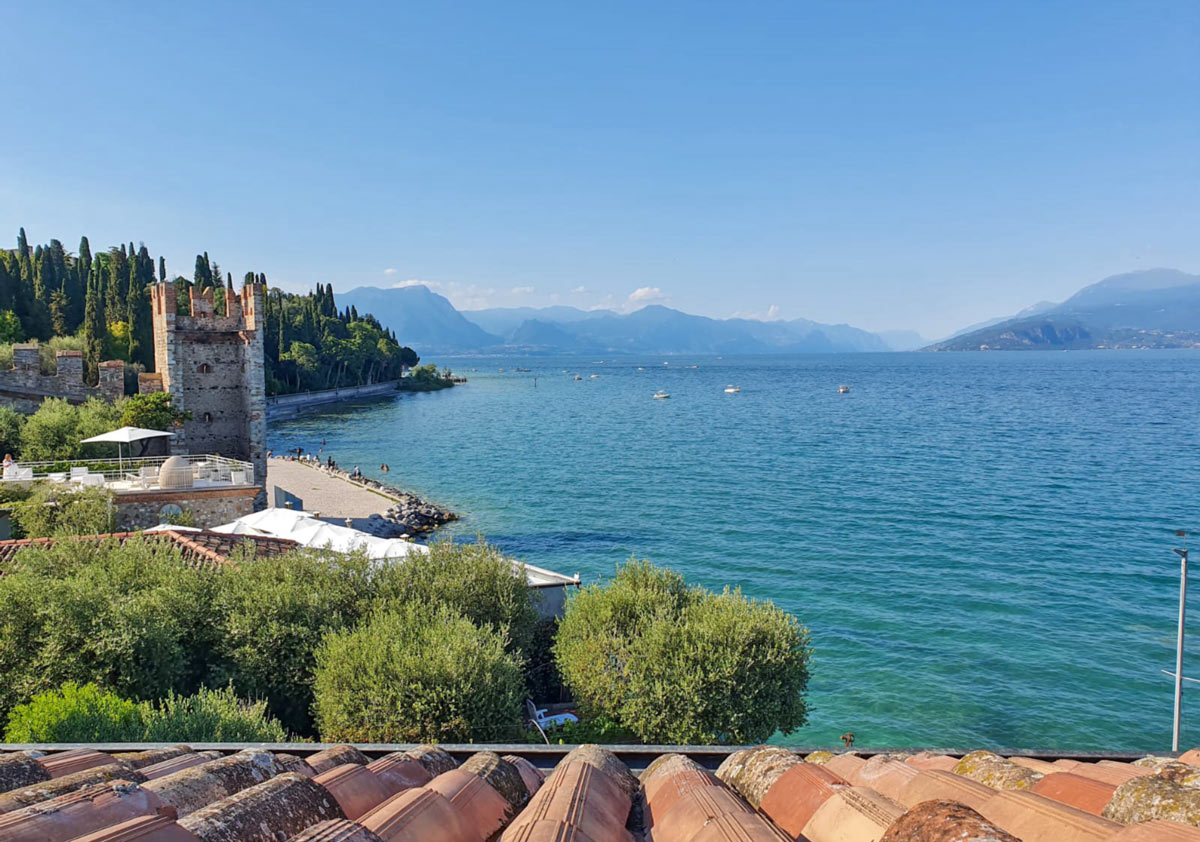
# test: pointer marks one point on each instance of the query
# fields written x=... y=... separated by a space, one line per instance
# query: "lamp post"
x=1183 y=559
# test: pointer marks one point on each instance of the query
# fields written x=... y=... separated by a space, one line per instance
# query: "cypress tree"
x=141 y=339
x=79 y=283
x=162 y=269
x=93 y=323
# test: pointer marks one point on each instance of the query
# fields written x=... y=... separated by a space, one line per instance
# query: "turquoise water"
x=980 y=543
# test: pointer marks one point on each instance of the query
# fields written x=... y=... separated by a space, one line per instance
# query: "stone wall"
x=285 y=406
x=24 y=387
x=209 y=507
x=214 y=367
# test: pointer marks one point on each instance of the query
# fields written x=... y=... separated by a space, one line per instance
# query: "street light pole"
x=1183 y=560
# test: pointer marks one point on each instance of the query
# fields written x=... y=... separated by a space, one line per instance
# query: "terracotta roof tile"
x=277 y=809
x=400 y=771
x=929 y=760
x=798 y=794
x=77 y=760
x=356 y=789
x=141 y=829
x=200 y=548
x=420 y=815
x=19 y=769
x=1039 y=766
x=1085 y=794
x=1034 y=818
x=18 y=798
x=762 y=794
x=944 y=821
x=83 y=811
x=853 y=814
x=191 y=789
x=845 y=764
x=937 y=784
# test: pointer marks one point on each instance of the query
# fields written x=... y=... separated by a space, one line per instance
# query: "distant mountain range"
x=430 y=323
x=1154 y=308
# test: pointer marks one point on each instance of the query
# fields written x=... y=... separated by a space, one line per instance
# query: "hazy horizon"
x=881 y=165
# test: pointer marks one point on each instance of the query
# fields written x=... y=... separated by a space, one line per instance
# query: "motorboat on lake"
x=661 y=395
x=577 y=377
x=731 y=389
x=843 y=390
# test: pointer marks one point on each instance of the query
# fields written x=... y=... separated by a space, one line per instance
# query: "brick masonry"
x=24 y=387
x=213 y=367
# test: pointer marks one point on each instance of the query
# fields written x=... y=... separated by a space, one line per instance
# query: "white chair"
x=237 y=477
x=79 y=473
x=25 y=473
x=539 y=716
x=92 y=481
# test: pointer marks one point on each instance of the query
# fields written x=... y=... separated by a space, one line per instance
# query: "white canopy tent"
x=309 y=531
x=126 y=435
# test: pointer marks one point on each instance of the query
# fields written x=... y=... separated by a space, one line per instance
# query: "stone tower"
x=213 y=367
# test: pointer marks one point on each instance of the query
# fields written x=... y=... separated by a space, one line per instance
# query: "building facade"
x=213 y=367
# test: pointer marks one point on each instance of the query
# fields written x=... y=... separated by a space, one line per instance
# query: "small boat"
x=500 y=370
x=577 y=377
x=640 y=368
x=594 y=376
x=843 y=390
x=731 y=389
x=693 y=366
x=660 y=395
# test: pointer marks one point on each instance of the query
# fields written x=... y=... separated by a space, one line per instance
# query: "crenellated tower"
x=213 y=367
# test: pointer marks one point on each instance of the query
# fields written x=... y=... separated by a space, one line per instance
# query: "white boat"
x=731 y=389
x=594 y=376
x=843 y=390
x=577 y=377
x=640 y=368
x=660 y=395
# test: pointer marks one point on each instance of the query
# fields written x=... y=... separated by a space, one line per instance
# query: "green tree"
x=210 y=716
x=52 y=510
x=10 y=327
x=131 y=617
x=273 y=613
x=57 y=429
x=677 y=665
x=94 y=328
x=418 y=674
x=11 y=423
x=474 y=580
x=137 y=310
x=152 y=412
x=75 y=714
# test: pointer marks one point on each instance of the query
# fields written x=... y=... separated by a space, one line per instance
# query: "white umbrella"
x=126 y=435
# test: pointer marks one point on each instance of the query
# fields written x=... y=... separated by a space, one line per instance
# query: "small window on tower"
x=205 y=368
x=206 y=418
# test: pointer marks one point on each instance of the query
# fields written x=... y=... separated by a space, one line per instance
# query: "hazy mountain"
x=502 y=321
x=426 y=321
x=1155 y=308
x=902 y=340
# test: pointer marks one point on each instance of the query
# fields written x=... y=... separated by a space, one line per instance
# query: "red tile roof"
x=201 y=547
x=765 y=794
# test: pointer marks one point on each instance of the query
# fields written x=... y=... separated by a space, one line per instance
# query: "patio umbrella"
x=126 y=435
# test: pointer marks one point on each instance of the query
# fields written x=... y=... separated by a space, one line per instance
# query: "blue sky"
x=892 y=165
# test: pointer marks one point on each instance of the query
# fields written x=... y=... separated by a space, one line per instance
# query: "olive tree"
x=673 y=664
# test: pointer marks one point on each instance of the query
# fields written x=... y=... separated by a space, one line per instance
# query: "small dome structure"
x=175 y=473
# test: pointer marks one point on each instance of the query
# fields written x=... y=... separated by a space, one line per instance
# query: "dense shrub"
x=474 y=580
x=88 y=714
x=678 y=665
x=11 y=423
x=132 y=617
x=52 y=510
x=418 y=674
x=57 y=428
x=75 y=714
x=211 y=716
x=272 y=614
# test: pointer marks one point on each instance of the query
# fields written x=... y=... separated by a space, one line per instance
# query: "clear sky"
x=894 y=165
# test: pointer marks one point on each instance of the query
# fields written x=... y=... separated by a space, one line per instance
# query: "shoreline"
x=407 y=514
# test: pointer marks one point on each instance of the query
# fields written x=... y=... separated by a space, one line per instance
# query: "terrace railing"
x=135 y=473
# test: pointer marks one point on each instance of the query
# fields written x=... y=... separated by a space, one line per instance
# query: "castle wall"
x=24 y=387
x=213 y=366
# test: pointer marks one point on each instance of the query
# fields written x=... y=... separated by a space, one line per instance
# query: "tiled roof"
x=198 y=547
x=764 y=794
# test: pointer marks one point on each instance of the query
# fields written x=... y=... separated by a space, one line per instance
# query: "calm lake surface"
x=979 y=543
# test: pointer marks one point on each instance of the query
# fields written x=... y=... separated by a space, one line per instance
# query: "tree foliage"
x=673 y=664
x=152 y=412
x=53 y=510
x=418 y=674
x=57 y=429
x=89 y=714
x=103 y=298
x=474 y=580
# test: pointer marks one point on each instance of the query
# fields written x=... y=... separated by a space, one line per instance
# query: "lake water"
x=979 y=543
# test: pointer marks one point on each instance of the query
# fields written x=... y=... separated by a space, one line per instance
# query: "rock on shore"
x=409 y=515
